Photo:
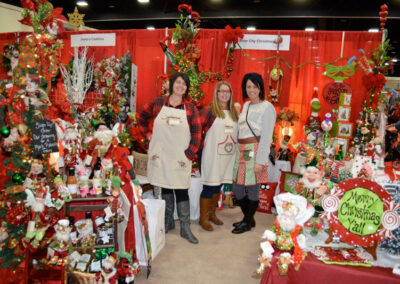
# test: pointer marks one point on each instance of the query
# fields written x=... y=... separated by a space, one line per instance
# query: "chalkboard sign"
x=44 y=137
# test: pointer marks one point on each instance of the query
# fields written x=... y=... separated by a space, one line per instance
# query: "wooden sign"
x=44 y=137
x=360 y=212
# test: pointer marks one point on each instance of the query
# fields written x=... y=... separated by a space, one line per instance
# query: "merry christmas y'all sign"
x=360 y=212
x=44 y=137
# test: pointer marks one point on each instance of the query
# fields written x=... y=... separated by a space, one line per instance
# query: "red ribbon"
x=232 y=35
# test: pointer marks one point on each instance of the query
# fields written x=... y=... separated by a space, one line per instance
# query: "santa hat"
x=315 y=95
x=295 y=205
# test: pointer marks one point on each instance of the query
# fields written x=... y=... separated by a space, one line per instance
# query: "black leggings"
x=180 y=194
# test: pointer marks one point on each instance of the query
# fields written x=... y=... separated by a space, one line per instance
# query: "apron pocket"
x=226 y=147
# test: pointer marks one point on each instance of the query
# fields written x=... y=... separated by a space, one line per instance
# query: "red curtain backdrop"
x=298 y=84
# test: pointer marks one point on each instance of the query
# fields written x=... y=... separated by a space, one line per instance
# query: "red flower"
x=28 y=4
x=185 y=7
x=57 y=14
x=374 y=81
x=232 y=35
x=26 y=21
x=195 y=16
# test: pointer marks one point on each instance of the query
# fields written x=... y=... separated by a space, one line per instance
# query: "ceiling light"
x=251 y=28
x=309 y=29
x=111 y=6
x=394 y=60
x=143 y=1
x=150 y=28
x=373 y=30
x=82 y=3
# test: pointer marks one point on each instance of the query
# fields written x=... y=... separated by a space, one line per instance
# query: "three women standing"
x=219 y=123
x=175 y=140
x=256 y=126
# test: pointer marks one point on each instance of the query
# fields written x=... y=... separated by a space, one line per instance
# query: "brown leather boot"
x=213 y=207
x=204 y=214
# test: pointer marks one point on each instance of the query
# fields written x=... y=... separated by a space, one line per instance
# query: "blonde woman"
x=219 y=124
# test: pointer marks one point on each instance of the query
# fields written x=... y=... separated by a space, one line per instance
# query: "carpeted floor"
x=220 y=257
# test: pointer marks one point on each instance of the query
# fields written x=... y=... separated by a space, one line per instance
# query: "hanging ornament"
x=275 y=82
x=18 y=178
x=5 y=131
x=94 y=122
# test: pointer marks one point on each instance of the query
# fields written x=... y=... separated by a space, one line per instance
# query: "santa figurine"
x=61 y=239
x=108 y=274
x=34 y=94
x=35 y=176
x=115 y=199
x=71 y=141
x=284 y=152
x=293 y=211
x=126 y=269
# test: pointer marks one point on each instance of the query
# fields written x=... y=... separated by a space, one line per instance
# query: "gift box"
x=267 y=192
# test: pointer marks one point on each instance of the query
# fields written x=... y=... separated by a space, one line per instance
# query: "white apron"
x=219 y=151
x=171 y=137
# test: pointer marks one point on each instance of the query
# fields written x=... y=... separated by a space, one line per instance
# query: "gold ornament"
x=76 y=19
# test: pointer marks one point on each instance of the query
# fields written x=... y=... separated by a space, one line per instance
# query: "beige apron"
x=219 y=151
x=171 y=137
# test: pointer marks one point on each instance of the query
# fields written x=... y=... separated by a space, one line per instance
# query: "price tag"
x=251 y=154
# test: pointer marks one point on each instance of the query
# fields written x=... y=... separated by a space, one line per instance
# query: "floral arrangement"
x=287 y=116
x=112 y=77
x=185 y=55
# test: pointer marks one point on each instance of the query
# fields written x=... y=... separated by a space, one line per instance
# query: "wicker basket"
x=83 y=277
x=140 y=163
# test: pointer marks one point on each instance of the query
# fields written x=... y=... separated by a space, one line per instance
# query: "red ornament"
x=16 y=216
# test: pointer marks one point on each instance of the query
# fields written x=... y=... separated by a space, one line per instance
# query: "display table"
x=314 y=271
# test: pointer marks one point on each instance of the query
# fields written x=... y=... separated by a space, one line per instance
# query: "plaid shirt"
x=150 y=112
x=206 y=119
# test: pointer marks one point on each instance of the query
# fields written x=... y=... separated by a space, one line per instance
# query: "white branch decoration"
x=79 y=80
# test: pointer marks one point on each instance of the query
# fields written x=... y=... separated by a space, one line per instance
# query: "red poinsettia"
x=28 y=4
x=26 y=21
x=374 y=81
x=60 y=110
x=232 y=35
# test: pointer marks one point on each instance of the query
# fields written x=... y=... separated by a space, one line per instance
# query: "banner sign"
x=107 y=39
x=264 y=42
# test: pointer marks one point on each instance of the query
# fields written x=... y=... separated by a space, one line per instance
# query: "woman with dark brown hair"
x=256 y=126
x=174 y=140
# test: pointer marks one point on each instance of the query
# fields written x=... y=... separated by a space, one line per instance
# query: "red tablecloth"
x=314 y=271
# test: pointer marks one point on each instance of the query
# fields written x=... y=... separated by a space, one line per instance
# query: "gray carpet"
x=220 y=257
